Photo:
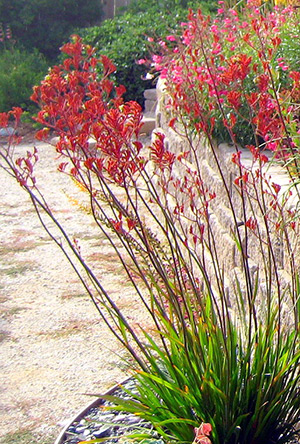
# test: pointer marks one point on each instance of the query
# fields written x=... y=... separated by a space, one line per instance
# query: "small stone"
x=86 y=432
x=80 y=429
x=147 y=425
x=107 y=416
x=9 y=131
x=102 y=432
x=120 y=418
x=133 y=420
x=71 y=429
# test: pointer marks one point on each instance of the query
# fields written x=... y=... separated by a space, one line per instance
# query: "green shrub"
x=20 y=70
x=124 y=40
x=136 y=6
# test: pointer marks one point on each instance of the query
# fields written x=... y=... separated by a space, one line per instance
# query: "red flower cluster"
x=95 y=127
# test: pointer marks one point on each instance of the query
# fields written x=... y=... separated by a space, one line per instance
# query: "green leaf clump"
x=245 y=385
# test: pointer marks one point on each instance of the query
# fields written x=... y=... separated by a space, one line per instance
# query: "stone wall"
x=221 y=218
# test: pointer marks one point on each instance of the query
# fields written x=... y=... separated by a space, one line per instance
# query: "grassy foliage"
x=245 y=389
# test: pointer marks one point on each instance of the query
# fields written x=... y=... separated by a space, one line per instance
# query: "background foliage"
x=124 y=39
x=44 y=24
x=31 y=33
x=19 y=71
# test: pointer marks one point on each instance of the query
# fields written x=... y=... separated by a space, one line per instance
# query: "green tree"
x=46 y=24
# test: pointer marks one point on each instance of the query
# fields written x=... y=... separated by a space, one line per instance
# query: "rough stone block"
x=150 y=94
x=150 y=106
x=148 y=125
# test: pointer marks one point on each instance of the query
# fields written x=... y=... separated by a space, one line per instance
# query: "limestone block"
x=150 y=94
x=148 y=125
x=150 y=106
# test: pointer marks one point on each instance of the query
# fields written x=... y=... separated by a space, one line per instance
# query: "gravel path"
x=53 y=346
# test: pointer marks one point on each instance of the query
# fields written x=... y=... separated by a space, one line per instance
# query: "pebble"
x=103 y=424
x=8 y=131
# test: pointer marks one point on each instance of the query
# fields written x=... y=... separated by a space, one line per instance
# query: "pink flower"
x=202 y=433
x=244 y=25
x=230 y=38
x=227 y=22
x=272 y=146
x=141 y=61
x=187 y=38
x=157 y=58
x=171 y=38
x=162 y=43
x=204 y=440
x=205 y=428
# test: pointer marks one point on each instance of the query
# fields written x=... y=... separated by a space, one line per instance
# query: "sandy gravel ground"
x=53 y=347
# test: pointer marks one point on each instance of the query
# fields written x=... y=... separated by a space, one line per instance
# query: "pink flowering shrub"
x=234 y=76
